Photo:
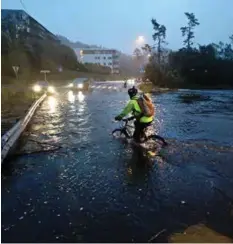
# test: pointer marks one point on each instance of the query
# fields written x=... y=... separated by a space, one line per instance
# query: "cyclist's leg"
x=137 y=131
x=143 y=129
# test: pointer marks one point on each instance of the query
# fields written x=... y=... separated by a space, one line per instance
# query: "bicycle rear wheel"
x=155 y=137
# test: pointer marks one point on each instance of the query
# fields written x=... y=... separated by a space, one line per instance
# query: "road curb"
x=9 y=139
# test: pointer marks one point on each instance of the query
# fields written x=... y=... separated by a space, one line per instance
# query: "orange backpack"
x=146 y=106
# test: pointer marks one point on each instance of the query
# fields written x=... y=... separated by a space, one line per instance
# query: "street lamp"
x=140 y=40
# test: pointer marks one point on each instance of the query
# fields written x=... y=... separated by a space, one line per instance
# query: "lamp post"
x=140 y=40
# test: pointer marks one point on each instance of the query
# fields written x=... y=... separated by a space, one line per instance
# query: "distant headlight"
x=36 y=88
x=80 y=86
x=71 y=85
x=51 y=89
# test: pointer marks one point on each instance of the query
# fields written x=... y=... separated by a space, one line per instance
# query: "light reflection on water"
x=52 y=102
x=80 y=96
x=71 y=96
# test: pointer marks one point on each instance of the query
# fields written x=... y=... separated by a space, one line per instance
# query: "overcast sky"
x=117 y=23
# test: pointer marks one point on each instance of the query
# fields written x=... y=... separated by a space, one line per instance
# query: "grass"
x=146 y=87
x=15 y=103
x=151 y=88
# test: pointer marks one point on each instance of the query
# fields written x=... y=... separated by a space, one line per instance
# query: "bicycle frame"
x=124 y=130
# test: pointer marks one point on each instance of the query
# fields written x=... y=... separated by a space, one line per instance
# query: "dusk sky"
x=117 y=23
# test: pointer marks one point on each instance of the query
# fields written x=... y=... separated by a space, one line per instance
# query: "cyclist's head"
x=132 y=92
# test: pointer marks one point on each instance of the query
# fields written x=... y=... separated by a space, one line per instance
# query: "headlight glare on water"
x=51 y=89
x=37 y=88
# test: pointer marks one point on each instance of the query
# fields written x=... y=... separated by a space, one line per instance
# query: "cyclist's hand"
x=118 y=118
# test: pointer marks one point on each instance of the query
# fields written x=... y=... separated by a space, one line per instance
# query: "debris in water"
x=58 y=215
x=81 y=209
x=45 y=202
x=21 y=217
x=183 y=202
x=155 y=236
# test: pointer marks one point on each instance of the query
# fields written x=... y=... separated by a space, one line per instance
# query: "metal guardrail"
x=11 y=136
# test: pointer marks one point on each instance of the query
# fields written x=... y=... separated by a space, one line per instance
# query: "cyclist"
x=125 y=84
x=133 y=106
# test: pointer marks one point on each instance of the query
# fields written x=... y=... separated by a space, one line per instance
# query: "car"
x=131 y=81
x=79 y=84
x=43 y=87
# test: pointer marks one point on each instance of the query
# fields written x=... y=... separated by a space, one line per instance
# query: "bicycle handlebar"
x=128 y=119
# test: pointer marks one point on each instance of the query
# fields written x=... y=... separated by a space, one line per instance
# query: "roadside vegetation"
x=192 y=66
x=35 y=53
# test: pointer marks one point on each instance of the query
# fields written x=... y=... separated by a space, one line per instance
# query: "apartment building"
x=104 y=57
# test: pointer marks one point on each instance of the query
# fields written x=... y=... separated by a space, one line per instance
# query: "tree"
x=159 y=37
x=231 y=40
x=187 y=31
x=137 y=53
x=138 y=59
x=147 y=49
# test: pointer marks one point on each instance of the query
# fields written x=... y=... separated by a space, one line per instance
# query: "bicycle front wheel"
x=119 y=133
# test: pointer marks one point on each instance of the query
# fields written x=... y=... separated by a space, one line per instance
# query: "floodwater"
x=90 y=187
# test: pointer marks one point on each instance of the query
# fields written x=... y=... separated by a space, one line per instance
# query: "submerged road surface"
x=73 y=182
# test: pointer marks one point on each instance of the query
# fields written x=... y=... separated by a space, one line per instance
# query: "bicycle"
x=125 y=133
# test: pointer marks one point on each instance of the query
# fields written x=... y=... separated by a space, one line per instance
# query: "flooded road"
x=89 y=187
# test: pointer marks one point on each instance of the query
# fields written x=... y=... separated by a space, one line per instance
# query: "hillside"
x=30 y=46
x=77 y=44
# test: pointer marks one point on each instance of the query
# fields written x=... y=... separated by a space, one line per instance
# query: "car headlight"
x=80 y=86
x=36 y=88
x=71 y=85
x=51 y=89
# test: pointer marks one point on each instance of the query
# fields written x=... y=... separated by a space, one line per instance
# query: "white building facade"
x=104 y=57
